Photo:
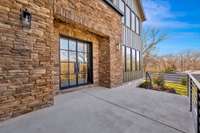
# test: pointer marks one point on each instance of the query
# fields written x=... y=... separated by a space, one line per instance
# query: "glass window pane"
x=82 y=57
x=129 y=2
x=72 y=79
x=64 y=80
x=122 y=8
x=72 y=45
x=82 y=78
x=132 y=21
x=128 y=59
x=116 y=2
x=72 y=67
x=138 y=60
x=83 y=68
x=63 y=43
x=133 y=40
x=137 y=26
x=121 y=5
x=128 y=22
x=72 y=56
x=133 y=59
x=63 y=56
x=123 y=57
x=82 y=47
x=64 y=68
x=128 y=37
x=123 y=35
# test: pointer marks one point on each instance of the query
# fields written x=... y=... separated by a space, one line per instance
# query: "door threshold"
x=73 y=89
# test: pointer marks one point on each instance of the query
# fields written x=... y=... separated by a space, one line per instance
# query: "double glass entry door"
x=75 y=63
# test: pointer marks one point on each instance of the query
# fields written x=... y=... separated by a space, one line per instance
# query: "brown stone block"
x=3 y=25
x=21 y=110
x=8 y=105
x=39 y=71
x=3 y=99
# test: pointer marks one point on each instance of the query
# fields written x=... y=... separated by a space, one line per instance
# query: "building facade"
x=47 y=46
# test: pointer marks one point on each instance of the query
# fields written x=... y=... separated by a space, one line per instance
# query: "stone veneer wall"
x=69 y=30
x=98 y=18
x=25 y=57
x=29 y=68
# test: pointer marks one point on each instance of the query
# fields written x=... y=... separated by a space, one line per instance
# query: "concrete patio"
x=124 y=109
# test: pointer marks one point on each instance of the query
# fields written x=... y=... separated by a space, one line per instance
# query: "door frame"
x=90 y=62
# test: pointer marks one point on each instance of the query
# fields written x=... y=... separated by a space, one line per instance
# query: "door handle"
x=76 y=67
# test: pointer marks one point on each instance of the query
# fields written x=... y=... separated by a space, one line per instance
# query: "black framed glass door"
x=75 y=63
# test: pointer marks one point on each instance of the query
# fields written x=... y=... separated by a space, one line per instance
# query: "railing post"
x=198 y=107
x=190 y=90
x=188 y=86
x=150 y=78
x=147 y=84
x=148 y=81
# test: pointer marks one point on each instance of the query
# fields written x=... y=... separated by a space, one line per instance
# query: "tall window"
x=123 y=58
x=132 y=21
x=133 y=60
x=128 y=37
x=123 y=35
x=128 y=17
x=121 y=5
x=128 y=59
x=131 y=26
x=122 y=8
x=138 y=60
x=137 y=26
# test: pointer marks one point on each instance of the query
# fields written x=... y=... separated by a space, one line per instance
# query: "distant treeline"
x=184 y=61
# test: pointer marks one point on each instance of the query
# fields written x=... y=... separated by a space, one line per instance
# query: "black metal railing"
x=194 y=95
x=148 y=81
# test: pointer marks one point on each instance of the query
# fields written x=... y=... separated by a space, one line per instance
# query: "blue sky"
x=179 y=19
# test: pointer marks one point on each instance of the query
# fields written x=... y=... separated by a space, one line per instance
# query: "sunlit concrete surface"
x=125 y=109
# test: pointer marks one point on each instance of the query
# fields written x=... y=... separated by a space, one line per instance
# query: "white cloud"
x=159 y=15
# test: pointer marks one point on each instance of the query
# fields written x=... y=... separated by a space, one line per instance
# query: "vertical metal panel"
x=129 y=76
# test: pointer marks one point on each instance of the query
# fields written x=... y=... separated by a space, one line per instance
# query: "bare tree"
x=151 y=37
x=184 y=61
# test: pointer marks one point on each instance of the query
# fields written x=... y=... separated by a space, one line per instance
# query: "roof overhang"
x=141 y=10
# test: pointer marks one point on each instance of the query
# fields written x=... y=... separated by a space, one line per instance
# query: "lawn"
x=180 y=89
x=169 y=87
